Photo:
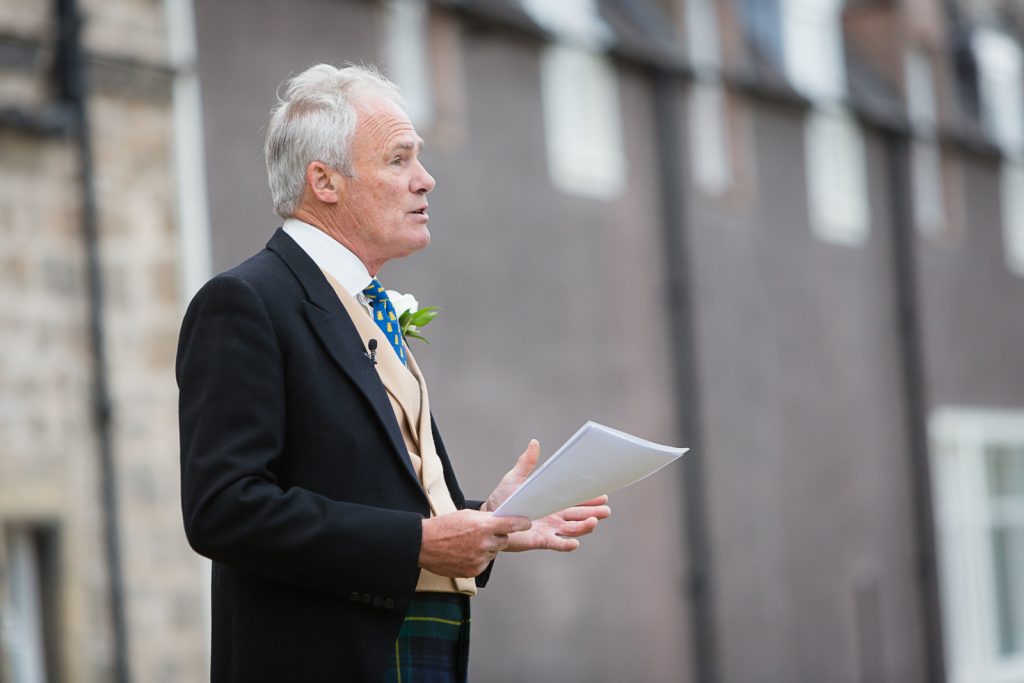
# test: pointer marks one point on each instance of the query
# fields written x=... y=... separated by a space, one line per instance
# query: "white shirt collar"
x=330 y=255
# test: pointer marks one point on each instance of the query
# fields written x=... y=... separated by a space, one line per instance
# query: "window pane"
x=836 y=178
x=1005 y=471
x=1005 y=474
x=763 y=27
x=407 y=59
x=702 y=34
x=926 y=162
x=1012 y=194
x=999 y=69
x=22 y=624
x=815 y=63
x=1008 y=565
x=582 y=122
x=709 y=138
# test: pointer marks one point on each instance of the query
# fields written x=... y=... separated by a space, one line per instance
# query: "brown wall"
x=556 y=312
x=552 y=317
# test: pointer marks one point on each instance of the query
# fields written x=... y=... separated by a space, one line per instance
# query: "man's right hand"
x=461 y=544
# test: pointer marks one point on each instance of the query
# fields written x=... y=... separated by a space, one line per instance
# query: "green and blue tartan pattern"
x=384 y=316
x=433 y=644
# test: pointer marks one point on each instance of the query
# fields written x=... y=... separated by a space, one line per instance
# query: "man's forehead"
x=387 y=125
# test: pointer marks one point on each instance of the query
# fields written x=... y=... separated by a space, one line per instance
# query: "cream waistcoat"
x=407 y=391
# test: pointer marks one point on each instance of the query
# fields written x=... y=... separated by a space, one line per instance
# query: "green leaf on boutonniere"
x=413 y=334
x=410 y=322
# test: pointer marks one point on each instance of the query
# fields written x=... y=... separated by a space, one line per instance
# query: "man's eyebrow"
x=408 y=145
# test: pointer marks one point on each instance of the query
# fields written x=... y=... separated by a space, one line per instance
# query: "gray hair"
x=315 y=121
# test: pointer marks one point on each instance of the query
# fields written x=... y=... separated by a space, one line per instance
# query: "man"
x=313 y=474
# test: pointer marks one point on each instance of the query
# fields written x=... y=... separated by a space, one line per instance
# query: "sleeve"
x=230 y=374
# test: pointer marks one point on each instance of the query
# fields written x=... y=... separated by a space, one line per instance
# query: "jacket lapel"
x=431 y=463
x=332 y=324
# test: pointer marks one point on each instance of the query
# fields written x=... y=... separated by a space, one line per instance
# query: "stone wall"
x=49 y=471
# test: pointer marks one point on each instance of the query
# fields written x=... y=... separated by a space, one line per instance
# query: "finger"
x=562 y=545
x=575 y=529
x=509 y=525
x=577 y=514
x=600 y=500
x=528 y=460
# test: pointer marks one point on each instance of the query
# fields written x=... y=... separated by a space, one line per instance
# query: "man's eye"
x=397 y=161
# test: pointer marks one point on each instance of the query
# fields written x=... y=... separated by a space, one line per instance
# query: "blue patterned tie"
x=384 y=316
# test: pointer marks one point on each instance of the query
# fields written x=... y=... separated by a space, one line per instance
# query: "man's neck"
x=337 y=233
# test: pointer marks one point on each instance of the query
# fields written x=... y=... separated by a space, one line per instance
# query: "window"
x=762 y=26
x=978 y=483
x=813 y=46
x=920 y=92
x=26 y=621
x=582 y=118
x=807 y=38
x=575 y=21
x=702 y=37
x=925 y=154
x=582 y=122
x=926 y=177
x=709 y=138
x=710 y=149
x=801 y=38
x=837 y=190
x=1000 y=72
x=407 y=57
x=193 y=214
x=1013 y=215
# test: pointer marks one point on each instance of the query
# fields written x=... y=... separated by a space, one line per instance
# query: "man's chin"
x=422 y=241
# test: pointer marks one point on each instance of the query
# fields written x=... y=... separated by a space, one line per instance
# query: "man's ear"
x=323 y=182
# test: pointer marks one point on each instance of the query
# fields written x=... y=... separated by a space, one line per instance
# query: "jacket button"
x=378 y=601
x=354 y=597
x=389 y=603
x=366 y=598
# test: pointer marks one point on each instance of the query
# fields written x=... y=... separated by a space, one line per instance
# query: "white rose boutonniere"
x=411 y=318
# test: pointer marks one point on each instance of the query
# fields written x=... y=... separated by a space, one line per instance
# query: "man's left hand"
x=558 y=531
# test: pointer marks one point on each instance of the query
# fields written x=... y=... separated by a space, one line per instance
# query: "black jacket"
x=295 y=479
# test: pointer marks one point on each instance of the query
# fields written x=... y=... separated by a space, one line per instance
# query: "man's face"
x=385 y=201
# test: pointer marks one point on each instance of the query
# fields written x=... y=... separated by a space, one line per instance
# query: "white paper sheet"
x=595 y=460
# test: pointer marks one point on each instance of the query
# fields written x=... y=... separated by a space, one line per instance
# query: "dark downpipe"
x=682 y=327
x=73 y=91
x=914 y=399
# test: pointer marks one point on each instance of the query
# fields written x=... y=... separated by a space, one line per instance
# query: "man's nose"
x=423 y=182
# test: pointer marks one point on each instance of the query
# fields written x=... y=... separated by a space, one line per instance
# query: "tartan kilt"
x=433 y=644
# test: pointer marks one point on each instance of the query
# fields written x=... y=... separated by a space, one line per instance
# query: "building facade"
x=786 y=233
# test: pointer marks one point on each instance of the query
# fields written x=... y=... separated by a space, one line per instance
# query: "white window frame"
x=813 y=49
x=407 y=56
x=702 y=39
x=925 y=152
x=1000 y=76
x=189 y=152
x=710 y=148
x=920 y=89
x=1012 y=199
x=959 y=437
x=21 y=626
x=574 y=21
x=839 y=208
x=582 y=122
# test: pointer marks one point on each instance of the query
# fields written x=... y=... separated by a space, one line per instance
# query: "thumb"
x=528 y=460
